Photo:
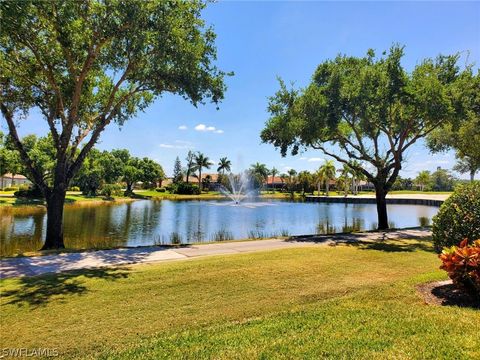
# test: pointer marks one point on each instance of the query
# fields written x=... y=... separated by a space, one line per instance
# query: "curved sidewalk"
x=38 y=265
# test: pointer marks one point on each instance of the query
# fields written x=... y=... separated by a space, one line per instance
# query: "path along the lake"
x=38 y=265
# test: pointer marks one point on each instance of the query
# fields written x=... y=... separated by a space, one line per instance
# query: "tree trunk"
x=327 y=185
x=319 y=184
x=55 y=202
x=200 y=180
x=472 y=175
x=380 y=195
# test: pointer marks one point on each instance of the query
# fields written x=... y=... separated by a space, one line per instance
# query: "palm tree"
x=201 y=161
x=422 y=179
x=357 y=175
x=191 y=167
x=343 y=182
x=224 y=165
x=328 y=173
x=273 y=172
x=319 y=179
x=259 y=172
x=292 y=180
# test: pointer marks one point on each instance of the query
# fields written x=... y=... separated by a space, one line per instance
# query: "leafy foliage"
x=458 y=217
x=462 y=263
x=184 y=188
x=367 y=109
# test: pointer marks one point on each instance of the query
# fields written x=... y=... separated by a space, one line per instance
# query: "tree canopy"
x=87 y=64
x=369 y=109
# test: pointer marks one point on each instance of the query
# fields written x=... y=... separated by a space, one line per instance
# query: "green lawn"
x=317 y=302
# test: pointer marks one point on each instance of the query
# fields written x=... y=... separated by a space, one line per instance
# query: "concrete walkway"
x=37 y=265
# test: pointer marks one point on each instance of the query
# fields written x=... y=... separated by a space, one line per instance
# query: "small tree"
x=423 y=179
x=467 y=165
x=177 y=171
x=367 y=109
x=87 y=64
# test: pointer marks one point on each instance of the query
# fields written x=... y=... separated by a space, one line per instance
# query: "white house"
x=9 y=180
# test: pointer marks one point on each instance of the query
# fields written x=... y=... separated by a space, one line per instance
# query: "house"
x=10 y=180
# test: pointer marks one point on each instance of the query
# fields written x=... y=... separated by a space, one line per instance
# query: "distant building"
x=9 y=180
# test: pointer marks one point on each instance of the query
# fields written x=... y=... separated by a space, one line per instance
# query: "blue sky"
x=262 y=40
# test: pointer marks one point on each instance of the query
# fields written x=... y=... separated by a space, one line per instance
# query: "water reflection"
x=164 y=222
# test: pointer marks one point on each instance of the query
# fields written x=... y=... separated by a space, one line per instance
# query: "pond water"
x=147 y=222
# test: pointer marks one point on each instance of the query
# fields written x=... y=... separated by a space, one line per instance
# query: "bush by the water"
x=462 y=263
x=187 y=189
x=162 y=189
x=458 y=217
x=109 y=190
x=74 y=188
x=31 y=193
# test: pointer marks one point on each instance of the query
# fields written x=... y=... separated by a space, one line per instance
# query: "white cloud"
x=315 y=159
x=179 y=145
x=182 y=127
x=205 y=128
x=303 y=158
x=201 y=127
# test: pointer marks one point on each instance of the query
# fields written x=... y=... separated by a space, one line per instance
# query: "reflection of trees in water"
x=16 y=237
x=424 y=221
x=194 y=221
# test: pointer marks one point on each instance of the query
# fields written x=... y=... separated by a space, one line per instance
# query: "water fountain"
x=240 y=188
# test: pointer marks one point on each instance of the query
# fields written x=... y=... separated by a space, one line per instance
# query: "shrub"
x=32 y=193
x=162 y=189
x=109 y=190
x=74 y=188
x=462 y=263
x=458 y=217
x=187 y=189
x=10 y=188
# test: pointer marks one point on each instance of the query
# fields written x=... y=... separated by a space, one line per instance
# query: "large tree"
x=463 y=136
x=87 y=64
x=368 y=109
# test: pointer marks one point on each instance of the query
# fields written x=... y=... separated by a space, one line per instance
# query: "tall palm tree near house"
x=344 y=180
x=201 y=161
x=283 y=179
x=319 y=179
x=190 y=167
x=291 y=181
x=259 y=173
x=273 y=172
x=224 y=165
x=328 y=173
x=422 y=179
x=357 y=175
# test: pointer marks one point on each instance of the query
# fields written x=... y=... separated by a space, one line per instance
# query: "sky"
x=259 y=41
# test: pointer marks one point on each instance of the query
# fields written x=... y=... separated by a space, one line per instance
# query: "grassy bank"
x=8 y=199
x=337 y=302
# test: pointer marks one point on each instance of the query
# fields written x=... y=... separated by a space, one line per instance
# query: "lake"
x=147 y=222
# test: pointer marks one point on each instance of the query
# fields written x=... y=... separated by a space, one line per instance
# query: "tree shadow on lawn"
x=397 y=246
x=40 y=290
x=388 y=241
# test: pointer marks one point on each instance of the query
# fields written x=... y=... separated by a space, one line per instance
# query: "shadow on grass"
x=397 y=246
x=40 y=290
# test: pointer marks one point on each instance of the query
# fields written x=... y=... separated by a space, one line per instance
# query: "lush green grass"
x=316 y=302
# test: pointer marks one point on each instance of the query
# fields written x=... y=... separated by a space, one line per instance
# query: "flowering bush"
x=462 y=263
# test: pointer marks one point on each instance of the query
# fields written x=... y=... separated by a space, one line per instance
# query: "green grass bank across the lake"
x=8 y=199
x=349 y=301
